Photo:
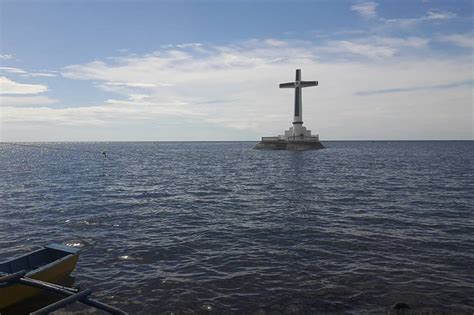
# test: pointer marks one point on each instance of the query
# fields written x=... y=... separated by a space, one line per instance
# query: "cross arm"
x=289 y=85
x=308 y=83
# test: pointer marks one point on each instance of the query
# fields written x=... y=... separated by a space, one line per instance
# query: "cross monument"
x=297 y=137
x=298 y=130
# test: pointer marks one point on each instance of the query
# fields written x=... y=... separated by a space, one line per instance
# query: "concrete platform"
x=293 y=145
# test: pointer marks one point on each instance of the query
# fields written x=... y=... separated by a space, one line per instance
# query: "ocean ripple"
x=211 y=228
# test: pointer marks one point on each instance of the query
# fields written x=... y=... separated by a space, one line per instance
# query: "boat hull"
x=52 y=272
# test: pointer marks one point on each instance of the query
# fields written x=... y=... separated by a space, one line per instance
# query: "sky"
x=209 y=70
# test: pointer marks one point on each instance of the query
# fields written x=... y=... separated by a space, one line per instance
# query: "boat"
x=51 y=264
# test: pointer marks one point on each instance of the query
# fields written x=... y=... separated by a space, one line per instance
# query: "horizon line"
x=333 y=140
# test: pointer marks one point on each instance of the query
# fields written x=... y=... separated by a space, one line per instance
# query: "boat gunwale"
x=67 y=251
x=50 y=265
x=11 y=260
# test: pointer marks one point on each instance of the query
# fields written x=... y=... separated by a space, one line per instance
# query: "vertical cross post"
x=298 y=116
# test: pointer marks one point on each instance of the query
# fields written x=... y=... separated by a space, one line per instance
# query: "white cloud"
x=375 y=47
x=438 y=15
x=8 y=86
x=460 y=40
x=138 y=97
x=41 y=74
x=63 y=116
x=189 y=45
x=431 y=16
x=400 y=43
x=275 y=42
x=417 y=88
x=362 y=49
x=236 y=86
x=111 y=111
x=366 y=10
x=134 y=84
x=6 y=57
x=13 y=70
x=24 y=73
x=25 y=100
x=192 y=46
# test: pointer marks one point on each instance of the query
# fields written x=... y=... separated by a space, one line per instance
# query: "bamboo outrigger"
x=26 y=276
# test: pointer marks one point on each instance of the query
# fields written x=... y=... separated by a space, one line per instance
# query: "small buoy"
x=401 y=308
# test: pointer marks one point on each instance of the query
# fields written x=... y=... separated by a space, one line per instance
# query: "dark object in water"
x=401 y=308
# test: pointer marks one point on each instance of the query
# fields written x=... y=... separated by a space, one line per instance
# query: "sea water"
x=218 y=227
